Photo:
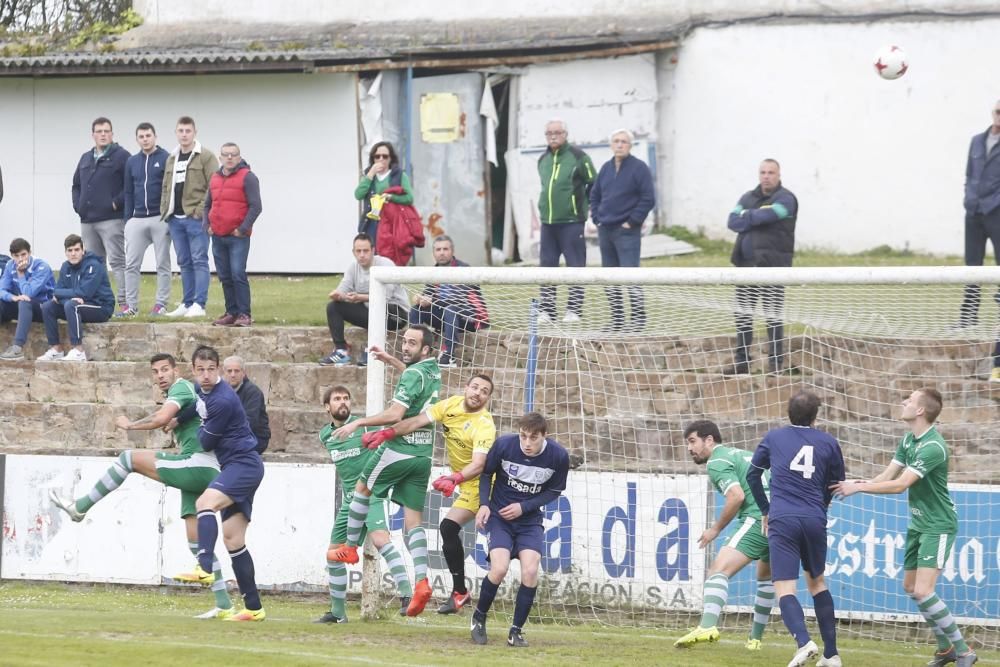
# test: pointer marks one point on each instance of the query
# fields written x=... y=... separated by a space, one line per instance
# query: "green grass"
x=301 y=300
x=107 y=626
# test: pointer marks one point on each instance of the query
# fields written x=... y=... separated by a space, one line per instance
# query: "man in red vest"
x=231 y=207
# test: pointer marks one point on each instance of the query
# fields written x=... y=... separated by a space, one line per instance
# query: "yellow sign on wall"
x=441 y=119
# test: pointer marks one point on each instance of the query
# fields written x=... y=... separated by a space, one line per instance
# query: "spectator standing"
x=231 y=207
x=25 y=285
x=252 y=399
x=143 y=226
x=450 y=309
x=764 y=221
x=99 y=199
x=982 y=210
x=383 y=172
x=566 y=173
x=182 y=204
x=349 y=302
x=621 y=198
x=82 y=294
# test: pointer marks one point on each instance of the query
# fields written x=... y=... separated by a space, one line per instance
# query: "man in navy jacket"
x=26 y=284
x=620 y=199
x=982 y=209
x=83 y=294
x=99 y=200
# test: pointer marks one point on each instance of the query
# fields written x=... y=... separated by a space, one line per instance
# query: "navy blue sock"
x=823 y=604
x=525 y=598
x=486 y=595
x=794 y=618
x=208 y=533
x=243 y=569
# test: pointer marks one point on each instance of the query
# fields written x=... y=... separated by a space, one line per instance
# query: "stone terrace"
x=54 y=407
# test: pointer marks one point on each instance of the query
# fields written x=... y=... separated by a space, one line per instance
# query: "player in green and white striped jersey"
x=350 y=457
x=190 y=471
x=920 y=466
x=727 y=470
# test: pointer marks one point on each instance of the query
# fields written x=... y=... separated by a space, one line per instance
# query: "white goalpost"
x=621 y=544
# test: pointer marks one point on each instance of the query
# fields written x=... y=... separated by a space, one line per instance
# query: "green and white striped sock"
x=933 y=608
x=337 y=578
x=716 y=591
x=219 y=590
x=356 y=516
x=110 y=481
x=416 y=544
x=397 y=569
x=762 y=605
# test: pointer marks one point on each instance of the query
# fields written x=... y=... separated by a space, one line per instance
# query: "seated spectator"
x=382 y=173
x=82 y=294
x=349 y=302
x=252 y=398
x=450 y=309
x=26 y=284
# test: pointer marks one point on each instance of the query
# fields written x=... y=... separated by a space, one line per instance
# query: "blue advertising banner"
x=864 y=563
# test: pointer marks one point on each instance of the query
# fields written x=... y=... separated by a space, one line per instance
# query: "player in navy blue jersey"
x=527 y=472
x=804 y=462
x=225 y=430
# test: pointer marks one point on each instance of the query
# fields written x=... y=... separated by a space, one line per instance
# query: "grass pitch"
x=107 y=626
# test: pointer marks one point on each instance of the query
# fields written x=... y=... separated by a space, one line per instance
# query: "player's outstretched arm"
x=378 y=354
x=891 y=472
x=158 y=419
x=390 y=415
x=734 y=500
x=883 y=487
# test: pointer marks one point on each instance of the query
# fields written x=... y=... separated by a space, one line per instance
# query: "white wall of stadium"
x=298 y=133
x=613 y=540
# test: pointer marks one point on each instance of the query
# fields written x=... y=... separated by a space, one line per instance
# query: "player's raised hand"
x=707 y=537
x=446 y=483
x=512 y=511
x=482 y=516
x=345 y=431
x=374 y=439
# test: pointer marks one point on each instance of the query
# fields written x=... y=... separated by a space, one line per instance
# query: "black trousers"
x=772 y=298
x=339 y=312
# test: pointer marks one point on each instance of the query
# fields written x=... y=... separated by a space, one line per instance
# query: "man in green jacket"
x=567 y=174
x=182 y=204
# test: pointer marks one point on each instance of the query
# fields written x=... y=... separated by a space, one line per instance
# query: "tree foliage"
x=61 y=16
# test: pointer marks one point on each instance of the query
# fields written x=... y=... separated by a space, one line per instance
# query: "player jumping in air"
x=350 y=457
x=469 y=433
x=727 y=470
x=403 y=465
x=190 y=471
x=527 y=472
x=226 y=431
x=920 y=466
x=804 y=462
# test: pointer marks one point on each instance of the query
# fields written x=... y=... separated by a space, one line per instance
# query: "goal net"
x=621 y=544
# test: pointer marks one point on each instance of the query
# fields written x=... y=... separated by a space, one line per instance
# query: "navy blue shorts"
x=793 y=540
x=513 y=536
x=239 y=480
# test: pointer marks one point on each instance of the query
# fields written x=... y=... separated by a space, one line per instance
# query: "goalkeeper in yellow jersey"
x=469 y=433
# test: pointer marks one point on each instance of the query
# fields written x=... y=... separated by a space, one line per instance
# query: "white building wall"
x=298 y=132
x=872 y=162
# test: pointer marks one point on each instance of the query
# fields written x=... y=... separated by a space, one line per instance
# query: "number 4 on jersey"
x=803 y=462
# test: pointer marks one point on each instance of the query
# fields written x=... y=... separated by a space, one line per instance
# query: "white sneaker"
x=75 y=355
x=832 y=661
x=179 y=311
x=66 y=505
x=570 y=317
x=215 y=612
x=804 y=654
x=52 y=355
x=195 y=311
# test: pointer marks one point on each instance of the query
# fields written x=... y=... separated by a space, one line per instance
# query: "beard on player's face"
x=341 y=412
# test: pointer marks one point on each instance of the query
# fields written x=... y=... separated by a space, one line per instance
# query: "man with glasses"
x=99 y=199
x=567 y=174
x=982 y=212
x=231 y=207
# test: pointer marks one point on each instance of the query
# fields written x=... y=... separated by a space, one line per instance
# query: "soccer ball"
x=890 y=62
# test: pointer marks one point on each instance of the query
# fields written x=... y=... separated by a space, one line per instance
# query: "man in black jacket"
x=764 y=221
x=252 y=398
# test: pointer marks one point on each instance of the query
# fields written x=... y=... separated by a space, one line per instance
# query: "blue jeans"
x=75 y=315
x=564 y=239
x=447 y=320
x=620 y=247
x=191 y=245
x=230 y=254
x=25 y=312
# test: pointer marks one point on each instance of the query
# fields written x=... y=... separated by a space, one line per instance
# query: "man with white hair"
x=252 y=399
x=620 y=200
x=566 y=173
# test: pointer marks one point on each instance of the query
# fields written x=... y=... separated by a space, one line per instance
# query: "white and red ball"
x=890 y=62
